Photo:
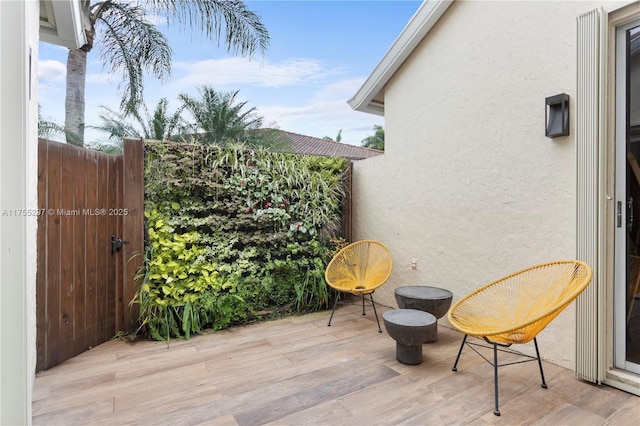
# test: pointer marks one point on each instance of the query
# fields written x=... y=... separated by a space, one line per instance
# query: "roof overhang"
x=370 y=97
x=61 y=23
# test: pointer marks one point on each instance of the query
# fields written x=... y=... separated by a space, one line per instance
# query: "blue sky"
x=320 y=54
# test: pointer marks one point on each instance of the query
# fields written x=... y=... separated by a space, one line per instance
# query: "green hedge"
x=234 y=235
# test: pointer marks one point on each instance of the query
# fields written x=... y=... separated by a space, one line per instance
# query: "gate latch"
x=116 y=243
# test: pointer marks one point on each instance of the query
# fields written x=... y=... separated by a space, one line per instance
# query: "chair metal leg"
x=337 y=301
x=494 y=363
x=374 y=311
x=544 y=384
x=496 y=411
x=334 y=309
x=455 y=364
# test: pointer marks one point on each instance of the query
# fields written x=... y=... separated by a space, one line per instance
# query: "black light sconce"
x=557 y=115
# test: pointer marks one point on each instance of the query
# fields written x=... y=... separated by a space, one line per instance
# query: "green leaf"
x=186 y=320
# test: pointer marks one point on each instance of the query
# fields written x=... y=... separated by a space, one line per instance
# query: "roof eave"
x=419 y=25
x=61 y=23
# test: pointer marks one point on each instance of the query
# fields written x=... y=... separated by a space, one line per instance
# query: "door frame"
x=613 y=376
x=620 y=261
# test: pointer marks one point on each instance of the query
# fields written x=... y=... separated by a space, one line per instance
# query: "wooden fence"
x=86 y=201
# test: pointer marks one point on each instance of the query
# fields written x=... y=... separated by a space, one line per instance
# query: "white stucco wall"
x=31 y=197
x=18 y=193
x=469 y=184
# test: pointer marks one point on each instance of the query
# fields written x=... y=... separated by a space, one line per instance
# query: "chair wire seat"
x=359 y=268
x=514 y=309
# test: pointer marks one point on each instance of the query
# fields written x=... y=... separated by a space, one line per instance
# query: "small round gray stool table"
x=433 y=300
x=409 y=328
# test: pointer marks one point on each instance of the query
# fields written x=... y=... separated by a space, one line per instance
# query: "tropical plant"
x=131 y=45
x=376 y=141
x=219 y=117
x=161 y=125
x=48 y=129
x=181 y=291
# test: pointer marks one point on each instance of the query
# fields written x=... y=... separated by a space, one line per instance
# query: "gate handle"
x=116 y=243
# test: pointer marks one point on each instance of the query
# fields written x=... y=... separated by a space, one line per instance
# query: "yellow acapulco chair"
x=514 y=309
x=359 y=268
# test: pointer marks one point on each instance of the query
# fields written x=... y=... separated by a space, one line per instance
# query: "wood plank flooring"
x=298 y=371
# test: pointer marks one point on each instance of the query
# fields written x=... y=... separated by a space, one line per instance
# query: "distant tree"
x=337 y=139
x=376 y=141
x=131 y=45
x=161 y=125
x=107 y=148
x=219 y=116
x=271 y=139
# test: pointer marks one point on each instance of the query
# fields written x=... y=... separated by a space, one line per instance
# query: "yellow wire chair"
x=514 y=309
x=359 y=268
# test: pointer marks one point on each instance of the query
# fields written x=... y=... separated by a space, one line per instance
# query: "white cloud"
x=240 y=71
x=342 y=89
x=51 y=71
x=323 y=118
x=315 y=109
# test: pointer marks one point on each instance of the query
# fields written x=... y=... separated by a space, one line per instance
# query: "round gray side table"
x=409 y=328
x=433 y=300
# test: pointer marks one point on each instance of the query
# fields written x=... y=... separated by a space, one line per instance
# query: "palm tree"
x=376 y=141
x=219 y=117
x=161 y=125
x=130 y=45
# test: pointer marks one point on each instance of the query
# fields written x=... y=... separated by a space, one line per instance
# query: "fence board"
x=67 y=255
x=91 y=244
x=103 y=249
x=115 y=225
x=78 y=172
x=53 y=238
x=133 y=226
x=41 y=275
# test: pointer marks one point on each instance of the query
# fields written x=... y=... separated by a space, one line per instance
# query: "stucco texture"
x=469 y=185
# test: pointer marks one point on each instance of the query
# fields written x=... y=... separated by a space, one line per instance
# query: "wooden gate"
x=87 y=202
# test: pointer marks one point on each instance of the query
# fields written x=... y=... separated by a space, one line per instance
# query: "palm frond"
x=244 y=33
x=162 y=125
x=132 y=46
x=48 y=129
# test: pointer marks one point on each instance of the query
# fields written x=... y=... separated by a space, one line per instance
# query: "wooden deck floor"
x=298 y=371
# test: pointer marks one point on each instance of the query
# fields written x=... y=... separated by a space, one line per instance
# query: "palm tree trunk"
x=74 y=101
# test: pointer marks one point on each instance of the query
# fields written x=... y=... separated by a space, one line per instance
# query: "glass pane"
x=632 y=313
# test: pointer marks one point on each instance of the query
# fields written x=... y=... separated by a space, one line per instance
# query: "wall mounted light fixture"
x=557 y=115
